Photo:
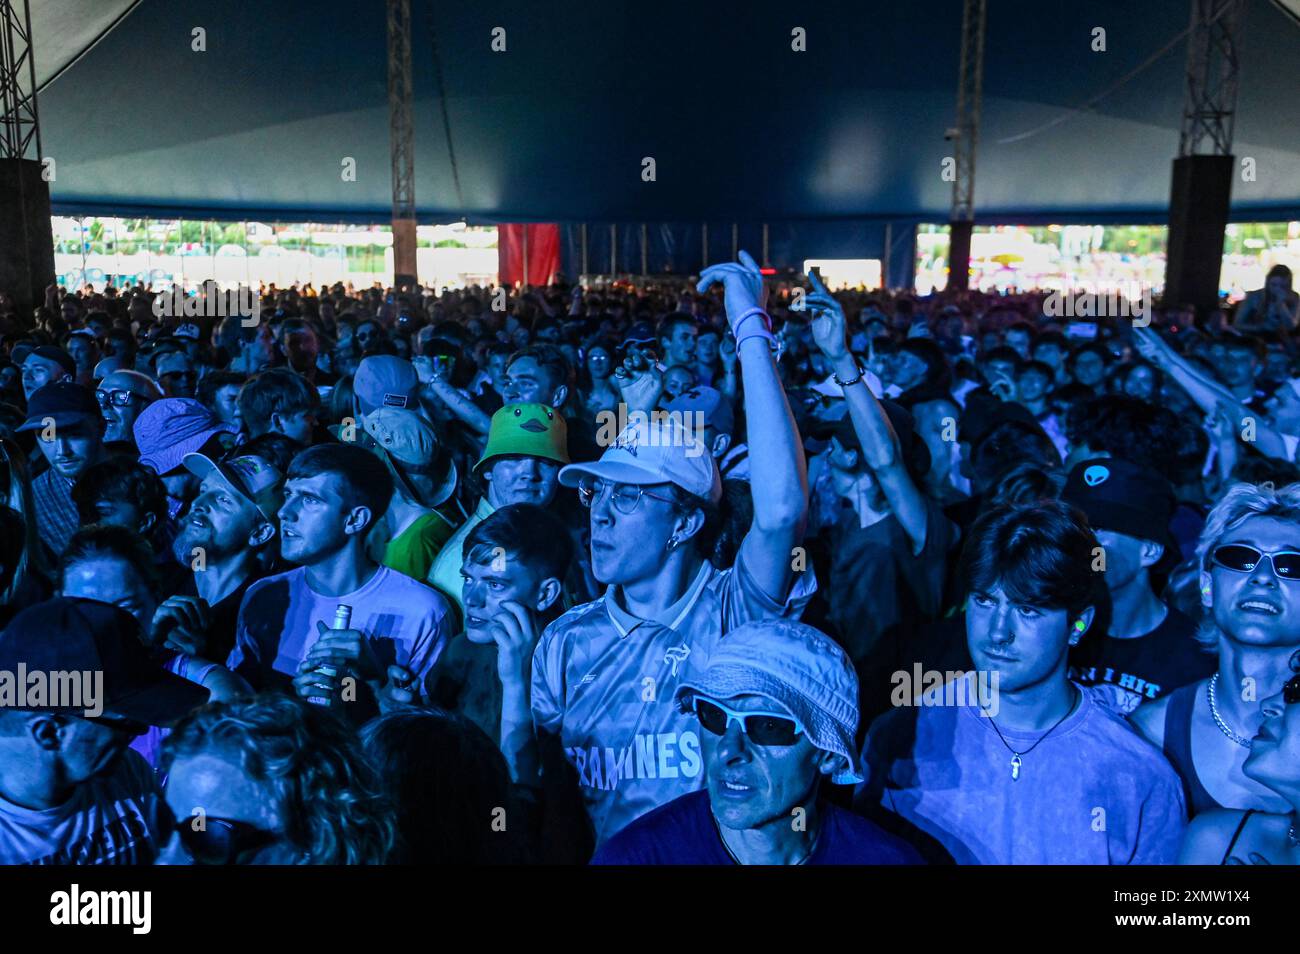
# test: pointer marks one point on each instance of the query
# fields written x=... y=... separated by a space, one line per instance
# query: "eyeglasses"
x=761 y=728
x=1241 y=558
x=116 y=398
x=624 y=497
x=220 y=841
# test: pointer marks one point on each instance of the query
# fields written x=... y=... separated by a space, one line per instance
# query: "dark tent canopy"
x=556 y=127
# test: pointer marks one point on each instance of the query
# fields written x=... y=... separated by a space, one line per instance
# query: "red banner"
x=528 y=252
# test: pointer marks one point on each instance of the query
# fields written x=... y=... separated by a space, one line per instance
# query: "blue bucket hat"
x=799 y=668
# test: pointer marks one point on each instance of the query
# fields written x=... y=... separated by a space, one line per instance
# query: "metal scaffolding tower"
x=19 y=121
x=1210 y=103
x=26 y=238
x=401 y=134
x=1201 y=188
x=970 y=88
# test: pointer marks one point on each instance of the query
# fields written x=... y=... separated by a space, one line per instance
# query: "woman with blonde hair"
x=280 y=781
x=1249 y=559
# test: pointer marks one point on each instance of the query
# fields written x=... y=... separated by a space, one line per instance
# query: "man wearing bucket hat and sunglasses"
x=604 y=674
x=778 y=705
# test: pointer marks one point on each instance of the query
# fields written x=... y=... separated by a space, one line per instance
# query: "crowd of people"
x=708 y=571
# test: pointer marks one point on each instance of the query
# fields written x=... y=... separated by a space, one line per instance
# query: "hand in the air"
x=742 y=284
x=828 y=324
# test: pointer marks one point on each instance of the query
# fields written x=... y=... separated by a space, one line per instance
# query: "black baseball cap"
x=1123 y=497
x=55 y=354
x=984 y=412
x=76 y=635
x=916 y=455
x=64 y=402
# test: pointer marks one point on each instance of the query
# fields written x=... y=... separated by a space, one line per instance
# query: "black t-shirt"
x=225 y=617
x=879 y=593
x=1144 y=667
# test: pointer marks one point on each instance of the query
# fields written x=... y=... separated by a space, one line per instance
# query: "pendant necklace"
x=1016 y=757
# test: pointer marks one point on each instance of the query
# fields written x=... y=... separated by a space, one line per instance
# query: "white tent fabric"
x=65 y=29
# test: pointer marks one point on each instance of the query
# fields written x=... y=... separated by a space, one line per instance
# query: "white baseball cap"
x=654 y=449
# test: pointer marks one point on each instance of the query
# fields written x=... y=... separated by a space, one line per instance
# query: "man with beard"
x=69 y=432
x=223 y=540
x=122 y=395
x=1249 y=554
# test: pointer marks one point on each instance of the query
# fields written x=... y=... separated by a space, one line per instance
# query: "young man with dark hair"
x=677 y=336
x=279 y=401
x=1020 y=336
x=218 y=391
x=70 y=434
x=539 y=374
x=299 y=347
x=333 y=495
x=1150 y=648
x=520 y=464
x=1087 y=364
x=513 y=568
x=1013 y=763
x=122 y=492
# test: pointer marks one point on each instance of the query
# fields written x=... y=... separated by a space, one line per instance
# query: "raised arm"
x=880 y=445
x=1212 y=397
x=779 y=474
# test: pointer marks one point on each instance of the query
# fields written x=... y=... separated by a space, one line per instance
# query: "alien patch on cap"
x=1096 y=474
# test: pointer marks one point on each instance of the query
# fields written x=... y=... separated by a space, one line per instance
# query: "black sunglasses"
x=1291 y=691
x=220 y=841
x=761 y=728
x=1241 y=558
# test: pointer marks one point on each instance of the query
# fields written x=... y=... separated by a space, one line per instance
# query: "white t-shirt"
x=112 y=819
x=404 y=621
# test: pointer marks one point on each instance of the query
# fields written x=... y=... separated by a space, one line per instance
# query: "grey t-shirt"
x=1091 y=792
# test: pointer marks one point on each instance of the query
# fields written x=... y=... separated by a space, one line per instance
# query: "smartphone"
x=1086 y=330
